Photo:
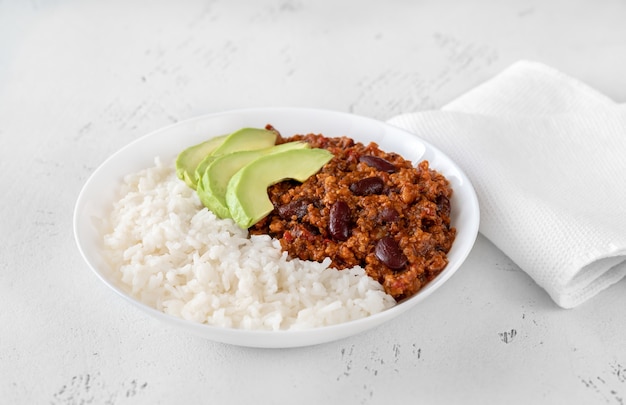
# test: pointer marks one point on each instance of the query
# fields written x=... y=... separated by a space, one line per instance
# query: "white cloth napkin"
x=547 y=157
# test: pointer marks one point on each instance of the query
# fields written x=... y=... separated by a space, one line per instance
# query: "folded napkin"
x=547 y=157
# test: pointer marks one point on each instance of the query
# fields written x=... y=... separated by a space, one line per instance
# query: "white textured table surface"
x=79 y=80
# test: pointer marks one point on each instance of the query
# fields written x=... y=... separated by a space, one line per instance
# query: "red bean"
x=339 y=221
x=388 y=215
x=443 y=205
x=367 y=186
x=388 y=251
x=378 y=163
x=299 y=208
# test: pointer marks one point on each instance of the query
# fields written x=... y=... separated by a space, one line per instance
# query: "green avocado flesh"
x=212 y=187
x=231 y=173
x=243 y=139
x=246 y=193
x=190 y=158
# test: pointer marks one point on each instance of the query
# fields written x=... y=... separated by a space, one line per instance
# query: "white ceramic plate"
x=96 y=199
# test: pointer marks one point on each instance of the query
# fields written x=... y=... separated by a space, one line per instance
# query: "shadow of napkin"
x=547 y=157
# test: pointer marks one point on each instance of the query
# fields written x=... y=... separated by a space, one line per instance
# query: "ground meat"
x=369 y=208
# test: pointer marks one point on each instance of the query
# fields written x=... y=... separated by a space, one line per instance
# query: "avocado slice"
x=188 y=159
x=243 y=139
x=212 y=187
x=246 y=194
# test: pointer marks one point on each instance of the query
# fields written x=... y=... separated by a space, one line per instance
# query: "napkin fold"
x=547 y=156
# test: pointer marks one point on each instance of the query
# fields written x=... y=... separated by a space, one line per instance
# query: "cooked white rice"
x=178 y=257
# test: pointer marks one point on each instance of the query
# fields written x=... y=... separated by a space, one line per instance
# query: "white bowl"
x=96 y=199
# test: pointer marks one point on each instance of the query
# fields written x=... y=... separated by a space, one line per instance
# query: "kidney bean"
x=339 y=221
x=388 y=214
x=367 y=186
x=378 y=163
x=388 y=251
x=299 y=208
x=443 y=205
